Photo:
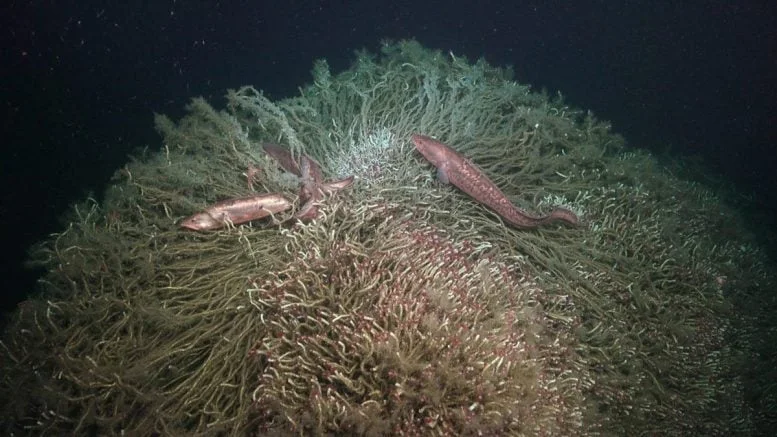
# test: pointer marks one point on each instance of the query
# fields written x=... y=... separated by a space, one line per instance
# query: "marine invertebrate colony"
x=404 y=332
x=399 y=307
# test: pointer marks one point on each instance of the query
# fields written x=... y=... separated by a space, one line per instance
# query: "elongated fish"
x=309 y=171
x=236 y=211
x=454 y=168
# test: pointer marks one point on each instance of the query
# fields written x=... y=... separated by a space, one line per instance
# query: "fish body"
x=287 y=161
x=283 y=157
x=314 y=188
x=309 y=171
x=245 y=209
x=236 y=211
x=454 y=168
x=340 y=184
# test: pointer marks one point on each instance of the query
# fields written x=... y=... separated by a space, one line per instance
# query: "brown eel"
x=312 y=174
x=313 y=186
x=454 y=168
x=236 y=211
